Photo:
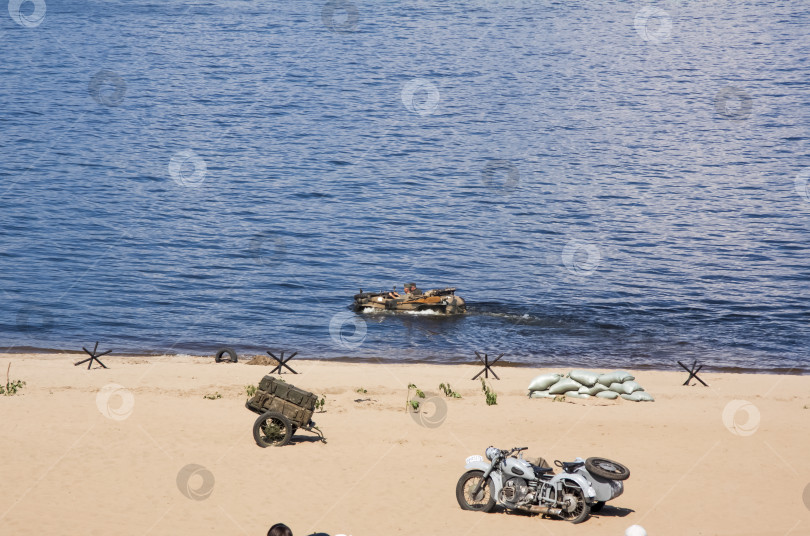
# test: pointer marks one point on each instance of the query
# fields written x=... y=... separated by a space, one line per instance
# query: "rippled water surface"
x=612 y=184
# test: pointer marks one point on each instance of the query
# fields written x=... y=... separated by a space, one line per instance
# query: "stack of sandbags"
x=585 y=384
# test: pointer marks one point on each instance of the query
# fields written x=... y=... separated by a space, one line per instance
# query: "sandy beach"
x=79 y=458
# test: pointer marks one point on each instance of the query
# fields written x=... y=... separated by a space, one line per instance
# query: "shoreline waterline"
x=50 y=353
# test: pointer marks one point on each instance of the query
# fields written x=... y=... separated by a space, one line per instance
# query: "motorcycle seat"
x=572 y=466
x=539 y=471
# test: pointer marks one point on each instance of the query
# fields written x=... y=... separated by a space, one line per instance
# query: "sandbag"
x=639 y=396
x=610 y=395
x=597 y=388
x=575 y=394
x=544 y=381
x=584 y=377
x=631 y=387
x=540 y=394
x=565 y=384
x=626 y=388
x=617 y=376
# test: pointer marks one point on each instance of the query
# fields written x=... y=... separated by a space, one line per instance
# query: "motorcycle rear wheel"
x=578 y=510
x=484 y=500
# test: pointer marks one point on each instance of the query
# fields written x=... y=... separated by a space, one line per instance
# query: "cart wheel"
x=272 y=430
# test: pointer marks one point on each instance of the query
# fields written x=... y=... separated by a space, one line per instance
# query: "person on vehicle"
x=393 y=294
x=279 y=529
x=406 y=291
x=413 y=290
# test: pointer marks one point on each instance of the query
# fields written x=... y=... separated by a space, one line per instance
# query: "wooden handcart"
x=282 y=409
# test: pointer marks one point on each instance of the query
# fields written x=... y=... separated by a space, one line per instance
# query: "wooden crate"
x=292 y=402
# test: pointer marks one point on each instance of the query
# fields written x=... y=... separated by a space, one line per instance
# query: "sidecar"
x=282 y=409
x=604 y=489
x=604 y=476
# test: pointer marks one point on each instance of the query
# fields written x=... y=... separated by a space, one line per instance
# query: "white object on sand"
x=635 y=530
x=617 y=376
x=610 y=395
x=564 y=385
x=576 y=394
x=639 y=396
x=544 y=381
x=585 y=377
x=597 y=388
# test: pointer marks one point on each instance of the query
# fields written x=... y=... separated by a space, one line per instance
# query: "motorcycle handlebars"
x=503 y=453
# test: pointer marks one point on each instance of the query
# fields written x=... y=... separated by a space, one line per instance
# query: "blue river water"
x=608 y=184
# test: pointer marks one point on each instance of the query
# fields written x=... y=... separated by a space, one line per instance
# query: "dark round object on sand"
x=607 y=469
x=272 y=430
x=231 y=355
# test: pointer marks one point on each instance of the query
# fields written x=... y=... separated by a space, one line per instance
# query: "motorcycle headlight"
x=491 y=453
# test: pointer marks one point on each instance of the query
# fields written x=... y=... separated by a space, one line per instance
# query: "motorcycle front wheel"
x=483 y=501
x=574 y=507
